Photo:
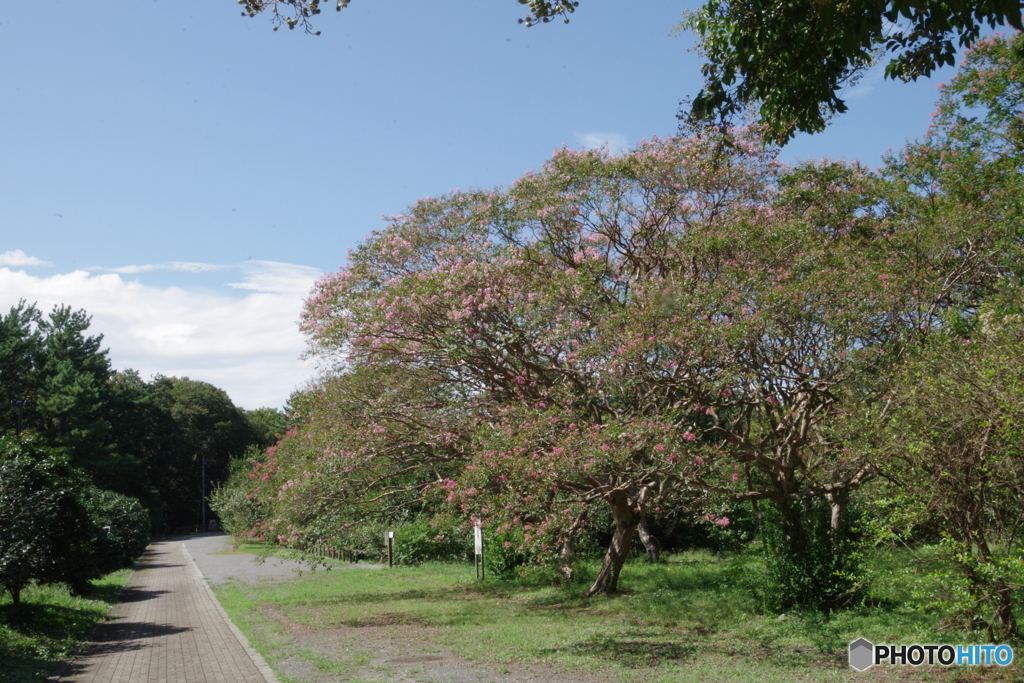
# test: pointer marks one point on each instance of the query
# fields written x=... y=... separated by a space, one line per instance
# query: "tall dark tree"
x=210 y=431
x=143 y=447
x=71 y=371
x=20 y=344
x=162 y=432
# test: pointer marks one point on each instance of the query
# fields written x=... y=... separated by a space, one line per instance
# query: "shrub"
x=823 y=576
x=128 y=533
x=738 y=533
x=425 y=541
x=236 y=508
x=47 y=535
x=506 y=554
x=363 y=540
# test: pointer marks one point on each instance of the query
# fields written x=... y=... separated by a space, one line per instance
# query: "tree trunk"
x=1003 y=600
x=650 y=541
x=999 y=594
x=793 y=529
x=15 y=592
x=627 y=515
x=566 y=556
x=837 y=501
x=568 y=552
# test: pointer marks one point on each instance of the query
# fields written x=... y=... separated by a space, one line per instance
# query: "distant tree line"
x=78 y=435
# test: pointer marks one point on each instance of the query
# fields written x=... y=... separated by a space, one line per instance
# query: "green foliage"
x=146 y=440
x=758 y=52
x=365 y=540
x=969 y=589
x=46 y=531
x=207 y=431
x=425 y=541
x=71 y=372
x=144 y=459
x=58 y=371
x=162 y=432
x=506 y=555
x=955 y=462
x=232 y=501
x=20 y=343
x=267 y=425
x=128 y=534
x=739 y=533
x=820 y=571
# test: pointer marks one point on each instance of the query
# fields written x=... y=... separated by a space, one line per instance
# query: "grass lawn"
x=44 y=629
x=689 y=619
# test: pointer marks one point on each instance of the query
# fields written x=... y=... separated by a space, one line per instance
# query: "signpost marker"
x=478 y=550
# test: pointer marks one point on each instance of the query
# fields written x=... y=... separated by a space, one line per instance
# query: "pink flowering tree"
x=367 y=444
x=523 y=297
x=683 y=320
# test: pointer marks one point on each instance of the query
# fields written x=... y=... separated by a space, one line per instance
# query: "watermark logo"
x=863 y=654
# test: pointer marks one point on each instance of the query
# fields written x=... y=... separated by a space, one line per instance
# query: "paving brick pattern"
x=167 y=629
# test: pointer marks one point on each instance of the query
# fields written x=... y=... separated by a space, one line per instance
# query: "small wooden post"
x=390 y=538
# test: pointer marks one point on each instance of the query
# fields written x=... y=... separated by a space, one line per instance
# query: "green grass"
x=44 y=629
x=689 y=619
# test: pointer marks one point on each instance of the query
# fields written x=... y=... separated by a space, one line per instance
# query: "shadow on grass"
x=387 y=619
x=34 y=637
x=375 y=597
x=638 y=650
x=632 y=653
x=32 y=620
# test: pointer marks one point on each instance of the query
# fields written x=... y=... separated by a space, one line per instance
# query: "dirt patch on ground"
x=394 y=652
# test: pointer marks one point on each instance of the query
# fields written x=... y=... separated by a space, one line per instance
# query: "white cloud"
x=616 y=142
x=183 y=266
x=281 y=278
x=867 y=83
x=247 y=345
x=18 y=258
x=257 y=276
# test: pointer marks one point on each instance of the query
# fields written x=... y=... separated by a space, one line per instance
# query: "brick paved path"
x=167 y=628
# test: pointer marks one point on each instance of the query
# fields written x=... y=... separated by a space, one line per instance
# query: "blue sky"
x=184 y=173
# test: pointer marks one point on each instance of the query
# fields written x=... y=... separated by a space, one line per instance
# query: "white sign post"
x=478 y=549
x=389 y=538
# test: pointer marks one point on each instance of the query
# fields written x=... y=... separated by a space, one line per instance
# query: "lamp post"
x=202 y=495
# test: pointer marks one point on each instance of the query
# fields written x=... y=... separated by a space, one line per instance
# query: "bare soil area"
x=395 y=652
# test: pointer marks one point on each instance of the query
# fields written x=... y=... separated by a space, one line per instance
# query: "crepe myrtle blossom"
x=616 y=331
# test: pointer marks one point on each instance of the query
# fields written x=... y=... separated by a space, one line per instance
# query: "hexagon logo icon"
x=862 y=654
